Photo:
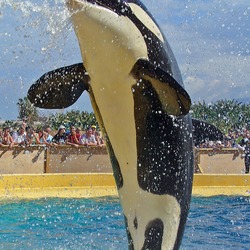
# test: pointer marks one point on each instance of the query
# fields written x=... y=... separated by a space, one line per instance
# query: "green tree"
x=224 y=114
x=27 y=110
x=73 y=117
x=8 y=123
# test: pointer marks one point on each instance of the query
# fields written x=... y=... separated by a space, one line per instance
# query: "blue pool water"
x=213 y=223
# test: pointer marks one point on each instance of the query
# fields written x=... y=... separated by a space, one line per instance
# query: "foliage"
x=224 y=114
x=8 y=123
x=77 y=118
x=27 y=111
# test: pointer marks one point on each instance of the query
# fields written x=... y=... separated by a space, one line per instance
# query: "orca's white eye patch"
x=146 y=20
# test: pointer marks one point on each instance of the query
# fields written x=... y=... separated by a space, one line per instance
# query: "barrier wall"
x=61 y=159
x=20 y=160
x=83 y=185
x=219 y=161
x=86 y=185
x=67 y=159
x=66 y=171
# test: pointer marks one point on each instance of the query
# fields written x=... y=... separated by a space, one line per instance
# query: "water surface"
x=213 y=223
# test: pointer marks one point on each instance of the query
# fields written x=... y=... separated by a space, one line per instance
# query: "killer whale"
x=142 y=108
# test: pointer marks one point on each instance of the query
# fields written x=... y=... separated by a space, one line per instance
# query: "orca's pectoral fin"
x=203 y=131
x=173 y=97
x=59 y=88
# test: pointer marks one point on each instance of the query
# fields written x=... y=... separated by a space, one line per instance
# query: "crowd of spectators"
x=26 y=135
x=238 y=139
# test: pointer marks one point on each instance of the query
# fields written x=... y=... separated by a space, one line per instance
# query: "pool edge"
x=87 y=185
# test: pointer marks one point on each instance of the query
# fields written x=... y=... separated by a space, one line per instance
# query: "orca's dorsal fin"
x=203 y=131
x=173 y=97
x=59 y=88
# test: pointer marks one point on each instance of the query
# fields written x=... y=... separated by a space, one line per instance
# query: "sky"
x=210 y=40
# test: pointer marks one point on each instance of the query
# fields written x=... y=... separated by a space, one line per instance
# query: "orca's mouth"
x=119 y=6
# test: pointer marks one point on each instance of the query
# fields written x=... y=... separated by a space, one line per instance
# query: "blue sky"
x=210 y=40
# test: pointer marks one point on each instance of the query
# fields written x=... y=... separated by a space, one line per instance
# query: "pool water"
x=213 y=223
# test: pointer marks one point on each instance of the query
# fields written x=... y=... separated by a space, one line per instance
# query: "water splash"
x=36 y=37
x=51 y=18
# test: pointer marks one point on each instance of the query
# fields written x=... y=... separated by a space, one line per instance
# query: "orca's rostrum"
x=142 y=108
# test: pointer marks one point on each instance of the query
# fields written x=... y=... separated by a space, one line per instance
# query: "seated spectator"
x=73 y=137
x=78 y=131
x=24 y=124
x=247 y=155
x=7 y=138
x=14 y=134
x=41 y=137
x=218 y=145
x=30 y=136
x=239 y=142
x=1 y=138
x=60 y=137
x=227 y=143
x=97 y=135
x=244 y=141
x=20 y=137
x=88 y=139
x=47 y=132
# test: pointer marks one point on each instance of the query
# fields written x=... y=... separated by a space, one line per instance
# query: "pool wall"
x=67 y=159
x=57 y=185
x=38 y=171
x=103 y=184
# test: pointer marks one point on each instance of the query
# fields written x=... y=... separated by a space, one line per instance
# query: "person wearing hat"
x=61 y=127
x=60 y=137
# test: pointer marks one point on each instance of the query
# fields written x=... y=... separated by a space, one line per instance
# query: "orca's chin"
x=118 y=7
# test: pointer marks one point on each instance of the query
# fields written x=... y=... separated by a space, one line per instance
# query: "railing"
x=67 y=159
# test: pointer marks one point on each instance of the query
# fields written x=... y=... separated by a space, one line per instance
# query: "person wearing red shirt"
x=73 y=137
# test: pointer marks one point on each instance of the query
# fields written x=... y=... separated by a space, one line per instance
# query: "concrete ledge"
x=220 y=184
x=103 y=184
x=57 y=185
